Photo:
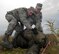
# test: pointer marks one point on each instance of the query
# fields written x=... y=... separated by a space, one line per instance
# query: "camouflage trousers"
x=13 y=24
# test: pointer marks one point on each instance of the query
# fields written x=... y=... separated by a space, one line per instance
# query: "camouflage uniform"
x=39 y=18
x=38 y=21
x=13 y=17
x=36 y=18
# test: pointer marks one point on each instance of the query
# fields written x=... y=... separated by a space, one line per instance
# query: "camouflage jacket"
x=38 y=20
x=21 y=15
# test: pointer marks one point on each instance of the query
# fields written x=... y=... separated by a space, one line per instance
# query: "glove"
x=33 y=26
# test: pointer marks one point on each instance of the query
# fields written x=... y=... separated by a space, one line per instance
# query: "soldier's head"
x=38 y=6
x=30 y=10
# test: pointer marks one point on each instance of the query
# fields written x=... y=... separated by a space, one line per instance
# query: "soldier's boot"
x=6 y=43
x=33 y=50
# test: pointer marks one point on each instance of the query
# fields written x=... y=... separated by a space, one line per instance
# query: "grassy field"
x=12 y=51
x=52 y=49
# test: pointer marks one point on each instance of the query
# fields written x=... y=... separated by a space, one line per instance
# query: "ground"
x=52 y=49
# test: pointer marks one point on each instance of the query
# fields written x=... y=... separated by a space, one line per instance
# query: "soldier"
x=38 y=17
x=13 y=17
x=39 y=40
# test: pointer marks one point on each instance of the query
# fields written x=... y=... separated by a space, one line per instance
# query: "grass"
x=52 y=49
x=14 y=51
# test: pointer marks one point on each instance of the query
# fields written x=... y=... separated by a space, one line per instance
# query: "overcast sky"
x=50 y=11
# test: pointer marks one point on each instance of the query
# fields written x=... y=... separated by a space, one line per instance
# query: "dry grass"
x=13 y=51
x=52 y=49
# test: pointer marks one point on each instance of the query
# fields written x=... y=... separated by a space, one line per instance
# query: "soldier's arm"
x=23 y=16
x=39 y=20
x=40 y=17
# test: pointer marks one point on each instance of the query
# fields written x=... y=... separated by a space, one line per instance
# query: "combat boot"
x=6 y=43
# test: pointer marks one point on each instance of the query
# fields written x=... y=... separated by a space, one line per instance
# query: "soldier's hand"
x=29 y=27
x=24 y=27
x=33 y=26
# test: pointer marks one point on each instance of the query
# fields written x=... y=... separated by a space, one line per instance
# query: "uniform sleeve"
x=38 y=21
x=41 y=17
x=23 y=16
